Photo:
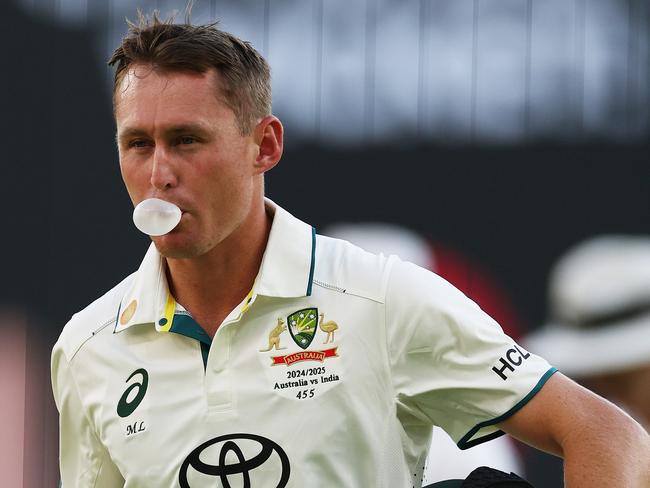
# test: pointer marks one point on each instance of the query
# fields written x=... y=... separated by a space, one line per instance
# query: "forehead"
x=145 y=91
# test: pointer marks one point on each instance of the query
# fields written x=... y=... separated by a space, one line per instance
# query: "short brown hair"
x=171 y=47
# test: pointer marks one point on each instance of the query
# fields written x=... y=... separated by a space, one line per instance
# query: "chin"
x=175 y=246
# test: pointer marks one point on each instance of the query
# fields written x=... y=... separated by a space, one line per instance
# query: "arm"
x=83 y=460
x=601 y=445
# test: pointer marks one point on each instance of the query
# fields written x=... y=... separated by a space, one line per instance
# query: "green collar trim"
x=313 y=261
x=185 y=325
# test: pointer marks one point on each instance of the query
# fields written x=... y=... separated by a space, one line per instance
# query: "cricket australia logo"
x=308 y=366
x=302 y=326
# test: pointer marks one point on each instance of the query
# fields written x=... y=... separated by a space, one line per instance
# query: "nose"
x=163 y=174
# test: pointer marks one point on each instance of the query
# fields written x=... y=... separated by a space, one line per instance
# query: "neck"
x=210 y=286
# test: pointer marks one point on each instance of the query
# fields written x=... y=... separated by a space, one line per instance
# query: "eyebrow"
x=128 y=133
x=171 y=131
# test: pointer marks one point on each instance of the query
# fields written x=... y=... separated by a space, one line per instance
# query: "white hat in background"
x=380 y=237
x=599 y=301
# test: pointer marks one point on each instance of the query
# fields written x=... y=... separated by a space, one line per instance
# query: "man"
x=247 y=351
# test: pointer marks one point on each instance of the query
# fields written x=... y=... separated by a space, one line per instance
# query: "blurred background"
x=495 y=133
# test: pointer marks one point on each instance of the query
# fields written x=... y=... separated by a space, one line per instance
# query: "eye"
x=138 y=143
x=186 y=140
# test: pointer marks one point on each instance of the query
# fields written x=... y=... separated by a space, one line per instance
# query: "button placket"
x=218 y=378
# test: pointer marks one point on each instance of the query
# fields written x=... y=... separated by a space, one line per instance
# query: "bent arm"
x=601 y=445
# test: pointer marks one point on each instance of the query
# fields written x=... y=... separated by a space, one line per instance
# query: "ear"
x=269 y=137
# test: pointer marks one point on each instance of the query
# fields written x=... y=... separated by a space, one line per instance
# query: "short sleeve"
x=451 y=363
x=83 y=460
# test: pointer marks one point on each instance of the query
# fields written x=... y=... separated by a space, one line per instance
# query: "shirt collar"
x=287 y=271
x=287 y=268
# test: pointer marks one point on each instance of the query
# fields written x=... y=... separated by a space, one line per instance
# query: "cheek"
x=227 y=195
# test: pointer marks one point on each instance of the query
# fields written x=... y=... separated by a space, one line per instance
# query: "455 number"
x=304 y=394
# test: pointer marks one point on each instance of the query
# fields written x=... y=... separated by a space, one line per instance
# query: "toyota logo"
x=243 y=467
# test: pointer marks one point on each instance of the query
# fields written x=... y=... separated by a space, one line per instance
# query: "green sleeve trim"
x=466 y=441
x=313 y=261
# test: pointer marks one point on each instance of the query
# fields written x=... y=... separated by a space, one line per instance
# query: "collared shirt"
x=330 y=372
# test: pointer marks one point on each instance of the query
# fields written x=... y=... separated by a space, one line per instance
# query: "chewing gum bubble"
x=156 y=217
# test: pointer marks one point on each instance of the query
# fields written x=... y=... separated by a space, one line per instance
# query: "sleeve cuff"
x=475 y=436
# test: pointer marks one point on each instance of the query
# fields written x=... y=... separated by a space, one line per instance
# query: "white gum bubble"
x=156 y=217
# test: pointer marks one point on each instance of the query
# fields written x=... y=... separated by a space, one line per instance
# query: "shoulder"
x=412 y=286
x=346 y=267
x=423 y=301
x=88 y=323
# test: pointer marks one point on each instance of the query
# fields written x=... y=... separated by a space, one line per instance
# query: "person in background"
x=598 y=331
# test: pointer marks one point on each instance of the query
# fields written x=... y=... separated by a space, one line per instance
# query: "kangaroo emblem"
x=330 y=326
x=274 y=336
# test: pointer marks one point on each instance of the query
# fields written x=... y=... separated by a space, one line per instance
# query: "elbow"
x=613 y=447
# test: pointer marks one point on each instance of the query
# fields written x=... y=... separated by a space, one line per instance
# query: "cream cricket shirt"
x=329 y=374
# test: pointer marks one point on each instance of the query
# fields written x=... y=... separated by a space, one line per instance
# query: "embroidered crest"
x=304 y=369
x=302 y=326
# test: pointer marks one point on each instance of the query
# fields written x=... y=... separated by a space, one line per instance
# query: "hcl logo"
x=512 y=358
